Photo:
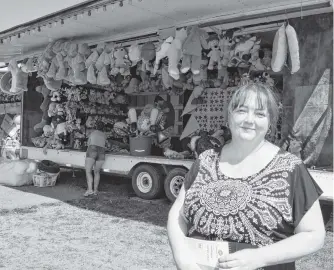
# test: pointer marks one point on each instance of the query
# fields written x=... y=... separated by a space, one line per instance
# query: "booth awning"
x=118 y=20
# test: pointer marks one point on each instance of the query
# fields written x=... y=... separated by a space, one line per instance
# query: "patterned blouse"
x=259 y=210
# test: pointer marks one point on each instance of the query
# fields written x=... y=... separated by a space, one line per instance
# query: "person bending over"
x=95 y=157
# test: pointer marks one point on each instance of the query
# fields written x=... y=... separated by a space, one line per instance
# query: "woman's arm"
x=309 y=238
x=177 y=230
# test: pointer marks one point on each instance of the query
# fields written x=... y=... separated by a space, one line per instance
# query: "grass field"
x=112 y=231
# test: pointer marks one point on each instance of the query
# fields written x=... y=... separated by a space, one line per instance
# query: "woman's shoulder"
x=288 y=161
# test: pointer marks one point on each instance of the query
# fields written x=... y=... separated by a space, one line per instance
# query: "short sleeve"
x=305 y=192
x=191 y=175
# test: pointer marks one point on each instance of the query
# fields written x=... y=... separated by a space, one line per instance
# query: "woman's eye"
x=241 y=110
x=260 y=114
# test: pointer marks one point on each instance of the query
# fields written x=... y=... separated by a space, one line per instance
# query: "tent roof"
x=105 y=20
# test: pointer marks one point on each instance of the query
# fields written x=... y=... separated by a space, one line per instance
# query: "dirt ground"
x=57 y=228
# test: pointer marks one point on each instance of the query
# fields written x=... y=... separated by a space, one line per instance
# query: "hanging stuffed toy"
x=147 y=55
x=192 y=49
x=134 y=54
x=279 y=52
x=162 y=53
x=226 y=43
x=214 y=54
x=293 y=48
x=175 y=52
x=15 y=81
x=44 y=107
x=121 y=61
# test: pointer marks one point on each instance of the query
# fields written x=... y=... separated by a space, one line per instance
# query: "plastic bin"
x=140 y=146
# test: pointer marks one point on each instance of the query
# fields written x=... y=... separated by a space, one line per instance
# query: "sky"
x=16 y=12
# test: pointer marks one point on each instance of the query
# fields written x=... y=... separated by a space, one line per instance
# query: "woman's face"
x=249 y=122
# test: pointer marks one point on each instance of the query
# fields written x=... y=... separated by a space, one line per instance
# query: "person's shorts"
x=96 y=152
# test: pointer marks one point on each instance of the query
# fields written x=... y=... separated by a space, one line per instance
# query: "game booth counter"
x=160 y=75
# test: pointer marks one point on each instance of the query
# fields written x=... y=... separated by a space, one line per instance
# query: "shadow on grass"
x=116 y=198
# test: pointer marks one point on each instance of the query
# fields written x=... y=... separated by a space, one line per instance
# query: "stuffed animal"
x=293 y=48
x=121 y=60
x=226 y=52
x=133 y=86
x=174 y=53
x=147 y=55
x=192 y=49
x=214 y=54
x=279 y=53
x=44 y=107
x=134 y=54
x=267 y=56
x=56 y=96
x=30 y=65
x=162 y=53
x=255 y=59
x=244 y=47
x=267 y=79
x=19 y=78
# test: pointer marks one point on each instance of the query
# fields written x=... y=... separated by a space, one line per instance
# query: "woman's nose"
x=249 y=117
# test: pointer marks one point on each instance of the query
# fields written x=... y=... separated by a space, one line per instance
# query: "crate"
x=43 y=179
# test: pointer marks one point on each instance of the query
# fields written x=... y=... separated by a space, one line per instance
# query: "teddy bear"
x=192 y=49
x=214 y=54
x=174 y=53
x=121 y=61
x=162 y=53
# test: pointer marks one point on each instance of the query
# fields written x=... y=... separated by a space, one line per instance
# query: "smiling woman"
x=249 y=192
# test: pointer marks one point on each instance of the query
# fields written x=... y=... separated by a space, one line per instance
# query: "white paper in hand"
x=206 y=252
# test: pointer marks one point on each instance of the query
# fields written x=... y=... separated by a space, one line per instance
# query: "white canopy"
x=105 y=20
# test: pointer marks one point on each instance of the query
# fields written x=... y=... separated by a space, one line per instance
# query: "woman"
x=95 y=156
x=250 y=191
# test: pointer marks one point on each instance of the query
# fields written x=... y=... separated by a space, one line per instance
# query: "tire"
x=173 y=182
x=48 y=166
x=147 y=182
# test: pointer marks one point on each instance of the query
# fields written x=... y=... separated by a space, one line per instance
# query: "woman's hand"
x=246 y=259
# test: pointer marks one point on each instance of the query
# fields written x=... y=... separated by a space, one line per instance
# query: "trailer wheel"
x=147 y=182
x=173 y=183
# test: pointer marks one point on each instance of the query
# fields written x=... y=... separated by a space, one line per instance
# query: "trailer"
x=151 y=175
x=126 y=22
